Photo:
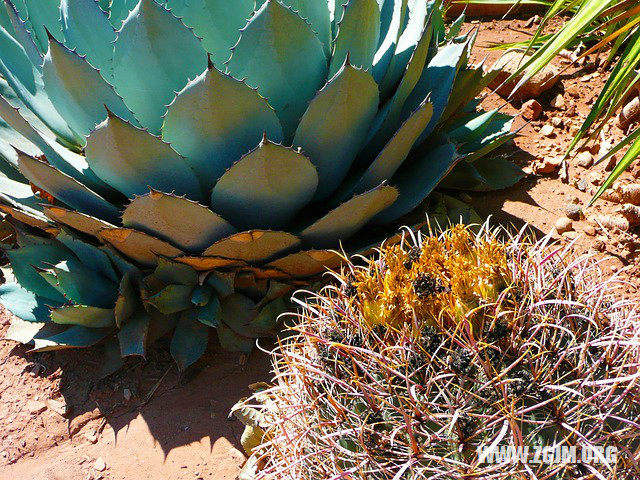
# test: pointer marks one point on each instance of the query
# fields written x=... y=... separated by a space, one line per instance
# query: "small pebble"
x=558 y=101
x=99 y=465
x=573 y=211
x=547 y=131
x=585 y=159
x=582 y=185
x=563 y=224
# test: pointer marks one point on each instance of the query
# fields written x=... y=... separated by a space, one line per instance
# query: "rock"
x=558 y=102
x=556 y=122
x=549 y=164
x=610 y=163
x=582 y=185
x=547 y=131
x=595 y=178
x=629 y=113
x=585 y=159
x=61 y=408
x=126 y=393
x=572 y=90
x=571 y=111
x=590 y=230
x=570 y=235
x=35 y=407
x=573 y=211
x=563 y=224
x=99 y=465
x=533 y=88
x=92 y=436
x=531 y=109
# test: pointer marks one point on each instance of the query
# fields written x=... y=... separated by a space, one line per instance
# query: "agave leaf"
x=222 y=283
x=152 y=163
x=78 y=90
x=272 y=175
x=172 y=299
x=24 y=332
x=84 y=286
x=232 y=342
x=128 y=300
x=19 y=195
x=22 y=34
x=396 y=151
x=186 y=224
x=91 y=317
x=87 y=30
x=25 y=304
x=348 y=218
x=437 y=81
x=171 y=272
x=469 y=83
x=292 y=65
x=119 y=11
x=215 y=120
x=254 y=246
x=427 y=167
x=206 y=314
x=142 y=248
x=10 y=140
x=44 y=20
x=237 y=311
x=413 y=43
x=80 y=221
x=216 y=22
x=352 y=96
x=393 y=15
x=133 y=335
x=29 y=217
x=307 y=263
x=201 y=295
x=204 y=264
x=141 y=73
x=498 y=173
x=76 y=336
x=24 y=78
x=318 y=16
x=189 y=342
x=358 y=35
x=23 y=260
x=91 y=256
x=65 y=188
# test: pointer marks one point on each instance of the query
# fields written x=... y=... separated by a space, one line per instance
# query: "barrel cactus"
x=213 y=151
x=445 y=354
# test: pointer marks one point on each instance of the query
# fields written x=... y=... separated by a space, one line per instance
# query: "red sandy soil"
x=177 y=428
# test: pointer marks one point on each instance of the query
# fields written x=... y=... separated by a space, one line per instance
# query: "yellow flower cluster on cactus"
x=442 y=280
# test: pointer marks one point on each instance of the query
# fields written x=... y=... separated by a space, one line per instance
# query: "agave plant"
x=215 y=150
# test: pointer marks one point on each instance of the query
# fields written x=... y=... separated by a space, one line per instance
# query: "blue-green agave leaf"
x=216 y=22
x=436 y=82
x=266 y=188
x=318 y=15
x=65 y=188
x=128 y=300
x=393 y=16
x=24 y=78
x=189 y=342
x=119 y=11
x=396 y=151
x=138 y=246
x=76 y=336
x=417 y=179
x=19 y=195
x=91 y=317
x=358 y=34
x=232 y=342
x=91 y=256
x=21 y=34
x=87 y=30
x=216 y=120
x=184 y=223
x=172 y=299
x=347 y=219
x=44 y=19
x=79 y=91
x=201 y=295
x=170 y=272
x=25 y=304
x=26 y=260
x=84 y=286
x=351 y=96
x=133 y=335
x=132 y=160
x=280 y=55
x=207 y=314
x=254 y=246
x=237 y=311
x=10 y=139
x=154 y=56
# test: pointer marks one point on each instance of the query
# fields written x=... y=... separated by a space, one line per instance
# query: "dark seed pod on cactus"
x=222 y=147
x=527 y=347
